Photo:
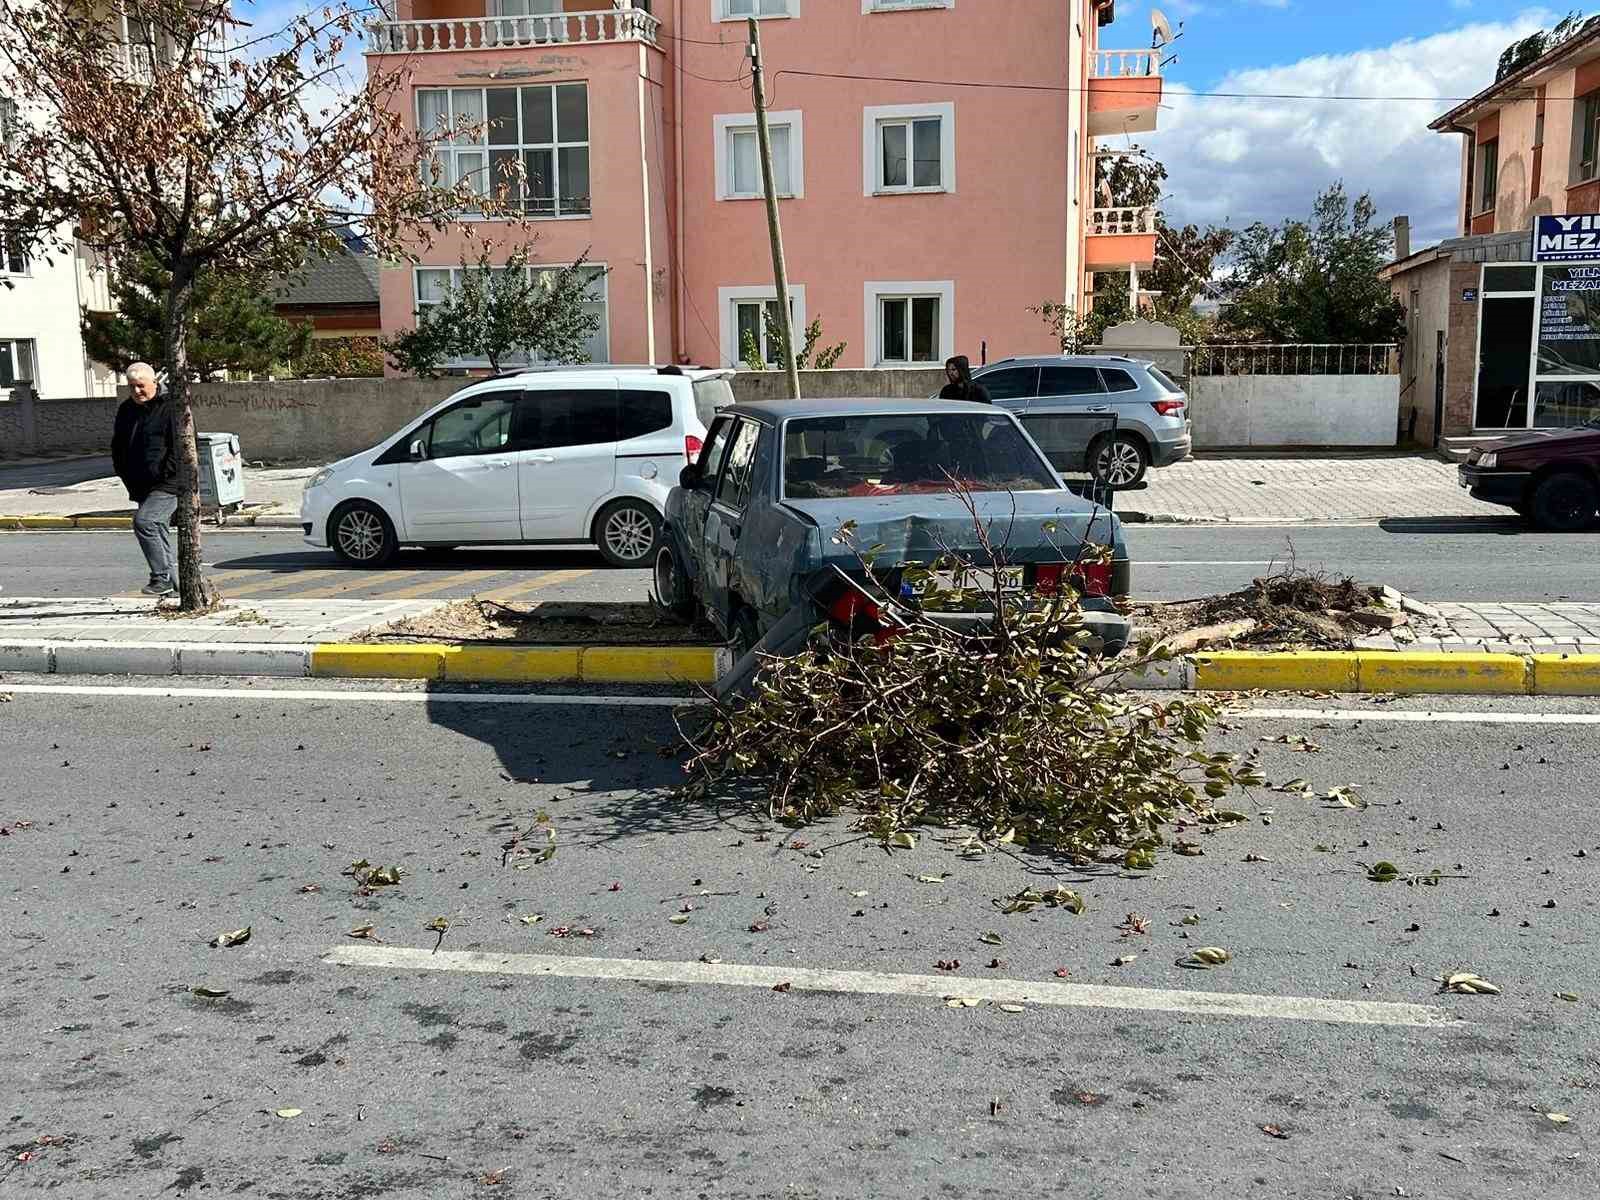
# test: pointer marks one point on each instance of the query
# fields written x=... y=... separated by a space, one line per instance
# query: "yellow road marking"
x=293 y=579
x=440 y=584
x=548 y=579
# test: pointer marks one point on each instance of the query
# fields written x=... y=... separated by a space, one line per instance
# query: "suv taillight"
x=691 y=446
x=1168 y=408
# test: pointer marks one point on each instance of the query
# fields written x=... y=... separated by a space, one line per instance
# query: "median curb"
x=445 y=662
x=26 y=523
x=1443 y=673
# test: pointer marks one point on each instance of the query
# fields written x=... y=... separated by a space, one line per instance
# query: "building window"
x=872 y=6
x=1586 y=138
x=433 y=284
x=12 y=259
x=1488 y=174
x=16 y=362
x=738 y=10
x=909 y=148
x=8 y=121
x=529 y=145
x=909 y=323
x=745 y=312
x=738 y=155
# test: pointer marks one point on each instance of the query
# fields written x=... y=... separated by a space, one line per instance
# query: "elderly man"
x=144 y=450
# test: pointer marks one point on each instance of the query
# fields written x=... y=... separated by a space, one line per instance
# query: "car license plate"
x=978 y=579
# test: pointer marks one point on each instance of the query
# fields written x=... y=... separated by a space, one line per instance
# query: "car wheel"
x=362 y=535
x=672 y=586
x=627 y=533
x=1565 y=502
x=746 y=632
x=1119 y=460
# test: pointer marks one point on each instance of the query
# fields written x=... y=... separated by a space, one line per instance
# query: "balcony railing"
x=1122 y=220
x=498 y=33
x=1125 y=64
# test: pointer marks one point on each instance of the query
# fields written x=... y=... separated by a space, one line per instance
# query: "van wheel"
x=627 y=533
x=1119 y=460
x=672 y=586
x=361 y=534
x=1565 y=502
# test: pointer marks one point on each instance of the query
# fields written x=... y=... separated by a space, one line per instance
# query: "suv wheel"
x=361 y=534
x=1565 y=502
x=1119 y=460
x=627 y=533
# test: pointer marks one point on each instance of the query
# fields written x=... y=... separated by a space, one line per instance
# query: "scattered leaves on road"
x=1011 y=1008
x=1570 y=997
x=1133 y=924
x=990 y=938
x=232 y=937
x=962 y=1002
x=1273 y=1131
x=678 y=919
x=210 y=993
x=1205 y=958
x=367 y=932
x=289 y=1114
x=1468 y=984
x=782 y=987
x=1030 y=898
x=1123 y=960
x=947 y=964
x=566 y=931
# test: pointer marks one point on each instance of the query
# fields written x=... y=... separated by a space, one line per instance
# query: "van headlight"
x=320 y=478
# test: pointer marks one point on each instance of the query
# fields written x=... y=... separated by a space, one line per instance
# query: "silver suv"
x=1066 y=403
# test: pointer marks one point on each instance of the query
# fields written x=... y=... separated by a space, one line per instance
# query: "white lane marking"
x=1186 y=562
x=277 y=694
x=877 y=983
x=1412 y=717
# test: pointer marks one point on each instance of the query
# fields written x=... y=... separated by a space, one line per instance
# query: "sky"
x=1237 y=161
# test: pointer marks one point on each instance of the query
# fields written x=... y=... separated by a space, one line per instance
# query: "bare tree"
x=172 y=129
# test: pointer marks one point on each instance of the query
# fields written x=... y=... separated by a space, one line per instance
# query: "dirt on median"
x=551 y=623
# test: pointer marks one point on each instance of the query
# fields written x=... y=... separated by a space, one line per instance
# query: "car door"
x=697 y=500
x=1071 y=410
x=725 y=517
x=463 y=487
x=566 y=440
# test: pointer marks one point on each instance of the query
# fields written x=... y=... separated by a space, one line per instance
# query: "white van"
x=541 y=456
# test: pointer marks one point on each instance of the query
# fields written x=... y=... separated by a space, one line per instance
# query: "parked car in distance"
x=1066 y=403
x=755 y=520
x=1551 y=477
x=533 y=457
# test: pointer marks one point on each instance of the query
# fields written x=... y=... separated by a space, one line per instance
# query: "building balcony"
x=1124 y=91
x=1119 y=238
x=444 y=34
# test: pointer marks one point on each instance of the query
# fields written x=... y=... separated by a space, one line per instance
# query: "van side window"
x=735 y=487
x=549 y=420
x=640 y=413
x=481 y=425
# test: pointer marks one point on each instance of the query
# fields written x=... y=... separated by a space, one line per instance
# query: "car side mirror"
x=418 y=451
x=689 y=477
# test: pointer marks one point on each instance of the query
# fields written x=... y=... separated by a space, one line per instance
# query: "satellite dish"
x=1162 y=29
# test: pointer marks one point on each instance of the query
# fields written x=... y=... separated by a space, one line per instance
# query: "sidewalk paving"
x=252 y=622
x=1353 y=487
x=85 y=487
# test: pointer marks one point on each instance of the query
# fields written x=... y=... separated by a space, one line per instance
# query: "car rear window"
x=1163 y=379
x=829 y=458
x=710 y=397
x=1118 y=381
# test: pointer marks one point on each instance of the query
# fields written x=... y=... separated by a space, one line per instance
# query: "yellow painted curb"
x=335 y=660
x=1443 y=673
x=103 y=522
x=511 y=664
x=1566 y=674
x=649 y=664
x=44 y=522
x=1288 y=671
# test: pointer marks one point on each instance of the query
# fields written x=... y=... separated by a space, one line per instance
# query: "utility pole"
x=780 y=272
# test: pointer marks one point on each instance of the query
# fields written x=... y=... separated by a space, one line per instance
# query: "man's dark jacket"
x=144 y=447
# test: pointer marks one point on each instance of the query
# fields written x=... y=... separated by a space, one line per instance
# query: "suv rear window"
x=1118 y=381
x=1164 y=379
x=829 y=458
x=711 y=396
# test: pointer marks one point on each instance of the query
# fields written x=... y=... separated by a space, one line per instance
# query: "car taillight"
x=1093 y=578
x=1047 y=578
x=1168 y=408
x=691 y=446
x=852 y=604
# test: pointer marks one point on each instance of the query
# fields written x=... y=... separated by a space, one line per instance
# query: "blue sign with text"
x=1567 y=239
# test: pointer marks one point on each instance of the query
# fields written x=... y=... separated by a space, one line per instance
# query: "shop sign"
x=1567 y=239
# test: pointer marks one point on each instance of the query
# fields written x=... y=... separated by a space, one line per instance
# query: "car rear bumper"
x=1494 y=487
x=1164 y=454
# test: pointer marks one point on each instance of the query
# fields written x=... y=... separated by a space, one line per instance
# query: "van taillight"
x=691 y=446
x=1168 y=408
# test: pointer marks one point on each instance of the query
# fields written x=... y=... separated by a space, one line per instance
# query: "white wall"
x=43 y=305
x=1294 y=410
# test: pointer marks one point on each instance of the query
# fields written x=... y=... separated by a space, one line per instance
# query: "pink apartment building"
x=922 y=215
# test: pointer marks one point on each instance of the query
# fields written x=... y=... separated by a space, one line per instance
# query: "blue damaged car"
x=752 y=529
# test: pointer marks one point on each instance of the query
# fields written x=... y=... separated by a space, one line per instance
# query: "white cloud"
x=1242 y=160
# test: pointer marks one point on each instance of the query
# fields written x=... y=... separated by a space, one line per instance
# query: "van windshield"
x=829 y=458
x=710 y=396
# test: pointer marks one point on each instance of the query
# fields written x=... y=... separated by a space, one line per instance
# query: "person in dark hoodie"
x=958 y=371
x=144 y=452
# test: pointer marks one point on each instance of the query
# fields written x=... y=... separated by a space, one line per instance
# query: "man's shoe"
x=159 y=587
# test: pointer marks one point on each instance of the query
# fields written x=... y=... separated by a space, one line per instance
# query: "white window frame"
x=5 y=263
x=489 y=144
x=726 y=125
x=727 y=297
x=885 y=6
x=721 y=10
x=873 y=295
x=455 y=270
x=32 y=378
x=874 y=117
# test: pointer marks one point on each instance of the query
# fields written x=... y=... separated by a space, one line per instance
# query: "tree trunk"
x=193 y=594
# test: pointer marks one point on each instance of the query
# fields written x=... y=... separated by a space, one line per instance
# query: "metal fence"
x=1296 y=358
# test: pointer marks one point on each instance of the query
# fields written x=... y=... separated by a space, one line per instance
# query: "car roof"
x=784 y=410
x=1077 y=360
x=629 y=370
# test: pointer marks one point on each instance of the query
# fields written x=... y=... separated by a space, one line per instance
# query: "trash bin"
x=221 y=471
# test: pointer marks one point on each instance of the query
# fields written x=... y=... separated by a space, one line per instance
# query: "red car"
x=1551 y=477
